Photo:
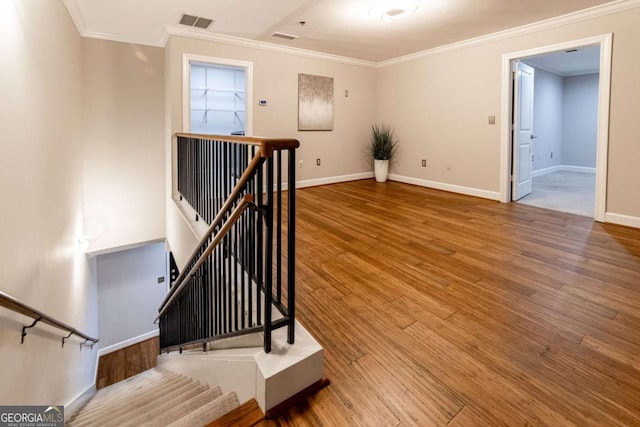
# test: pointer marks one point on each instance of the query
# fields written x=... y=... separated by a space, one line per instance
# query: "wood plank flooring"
x=439 y=309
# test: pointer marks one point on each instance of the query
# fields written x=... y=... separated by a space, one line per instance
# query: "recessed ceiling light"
x=391 y=10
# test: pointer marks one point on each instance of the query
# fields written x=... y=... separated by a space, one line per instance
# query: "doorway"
x=525 y=160
x=564 y=130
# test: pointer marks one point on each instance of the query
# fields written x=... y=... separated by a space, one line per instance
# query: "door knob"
x=533 y=136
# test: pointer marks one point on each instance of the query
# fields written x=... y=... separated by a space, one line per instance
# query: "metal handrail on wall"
x=242 y=268
x=13 y=304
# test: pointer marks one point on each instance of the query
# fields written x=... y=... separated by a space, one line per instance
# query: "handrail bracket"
x=66 y=338
x=24 y=329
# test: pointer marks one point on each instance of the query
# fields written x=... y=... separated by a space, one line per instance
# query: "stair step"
x=130 y=400
x=105 y=394
x=113 y=393
x=138 y=398
x=157 y=406
x=187 y=407
x=209 y=412
x=155 y=398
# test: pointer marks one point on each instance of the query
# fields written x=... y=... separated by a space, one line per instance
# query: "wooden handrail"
x=226 y=227
x=13 y=304
x=267 y=145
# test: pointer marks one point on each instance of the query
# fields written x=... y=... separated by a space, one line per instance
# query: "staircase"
x=155 y=398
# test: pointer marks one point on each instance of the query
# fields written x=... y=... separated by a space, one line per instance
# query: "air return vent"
x=195 y=21
x=284 y=36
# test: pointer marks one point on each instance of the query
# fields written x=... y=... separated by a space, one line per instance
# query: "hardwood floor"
x=440 y=309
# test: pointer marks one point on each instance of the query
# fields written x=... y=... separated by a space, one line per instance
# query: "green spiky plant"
x=382 y=146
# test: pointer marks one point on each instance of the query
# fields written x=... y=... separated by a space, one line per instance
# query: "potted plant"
x=382 y=148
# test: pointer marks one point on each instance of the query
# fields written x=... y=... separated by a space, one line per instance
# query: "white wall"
x=42 y=213
x=129 y=293
x=547 y=119
x=580 y=120
x=439 y=104
x=342 y=151
x=123 y=117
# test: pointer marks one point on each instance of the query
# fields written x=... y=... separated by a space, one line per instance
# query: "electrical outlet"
x=317 y=162
x=449 y=166
x=492 y=120
x=424 y=163
x=300 y=164
x=552 y=154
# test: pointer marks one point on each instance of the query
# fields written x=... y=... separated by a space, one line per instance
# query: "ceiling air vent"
x=195 y=21
x=284 y=36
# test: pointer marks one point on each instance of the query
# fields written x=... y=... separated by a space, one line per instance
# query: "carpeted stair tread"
x=140 y=397
x=155 y=398
x=131 y=399
x=209 y=412
x=156 y=406
x=113 y=393
x=184 y=408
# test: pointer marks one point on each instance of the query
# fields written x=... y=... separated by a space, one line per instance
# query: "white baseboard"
x=127 y=343
x=629 y=221
x=469 y=191
x=582 y=169
x=78 y=402
x=563 y=168
x=545 y=171
x=333 y=179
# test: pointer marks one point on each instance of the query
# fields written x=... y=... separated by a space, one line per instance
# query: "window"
x=216 y=95
x=217 y=99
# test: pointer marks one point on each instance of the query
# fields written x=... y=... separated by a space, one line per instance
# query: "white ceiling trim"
x=594 y=12
x=583 y=15
x=119 y=38
x=237 y=41
x=76 y=16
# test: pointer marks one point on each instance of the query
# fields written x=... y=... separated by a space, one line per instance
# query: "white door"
x=523 y=131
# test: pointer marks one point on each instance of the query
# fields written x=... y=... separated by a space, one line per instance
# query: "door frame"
x=186 y=87
x=605 y=41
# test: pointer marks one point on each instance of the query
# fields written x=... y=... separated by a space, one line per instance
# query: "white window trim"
x=187 y=59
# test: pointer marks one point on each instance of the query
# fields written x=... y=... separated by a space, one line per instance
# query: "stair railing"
x=242 y=272
x=14 y=304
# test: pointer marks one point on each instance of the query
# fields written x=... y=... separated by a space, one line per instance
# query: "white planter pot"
x=381 y=169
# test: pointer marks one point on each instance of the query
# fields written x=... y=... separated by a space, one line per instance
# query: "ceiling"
x=339 y=27
x=574 y=62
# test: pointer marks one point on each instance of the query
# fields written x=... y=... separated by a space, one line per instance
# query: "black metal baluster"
x=291 y=246
x=268 y=258
x=279 y=228
x=259 y=246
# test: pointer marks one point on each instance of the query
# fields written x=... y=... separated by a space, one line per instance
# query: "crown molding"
x=174 y=30
x=122 y=39
x=571 y=18
x=76 y=15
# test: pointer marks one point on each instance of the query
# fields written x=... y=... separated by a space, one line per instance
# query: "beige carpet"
x=572 y=192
